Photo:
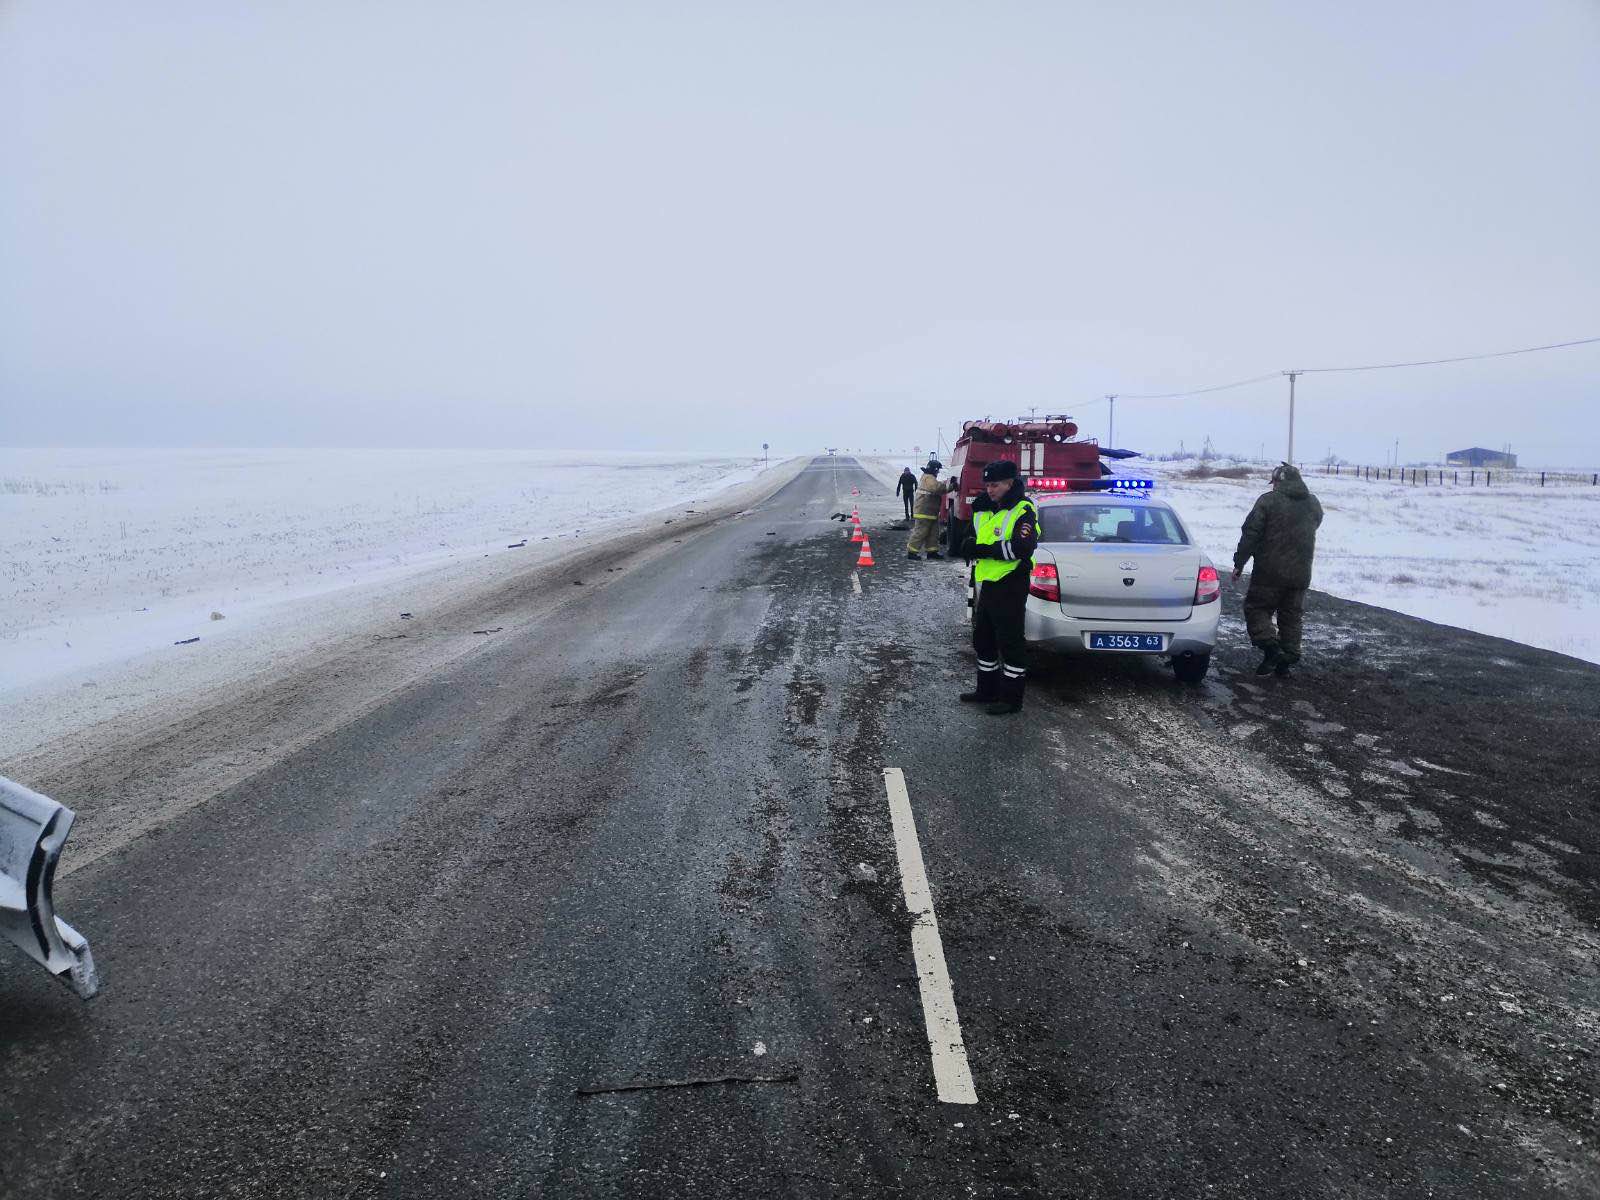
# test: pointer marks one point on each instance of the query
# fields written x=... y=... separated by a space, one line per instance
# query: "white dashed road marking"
x=855 y=581
x=951 y=1074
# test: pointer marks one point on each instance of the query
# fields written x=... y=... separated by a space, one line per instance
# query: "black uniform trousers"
x=997 y=637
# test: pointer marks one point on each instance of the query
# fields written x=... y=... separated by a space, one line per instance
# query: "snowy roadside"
x=887 y=470
x=107 y=558
x=1519 y=562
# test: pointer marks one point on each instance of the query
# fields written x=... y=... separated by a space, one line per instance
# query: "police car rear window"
x=1110 y=523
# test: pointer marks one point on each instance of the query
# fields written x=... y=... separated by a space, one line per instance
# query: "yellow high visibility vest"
x=995 y=527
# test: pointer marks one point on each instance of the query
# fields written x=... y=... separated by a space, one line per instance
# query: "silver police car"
x=1116 y=572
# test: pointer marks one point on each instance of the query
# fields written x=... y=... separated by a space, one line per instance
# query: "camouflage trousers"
x=1263 y=603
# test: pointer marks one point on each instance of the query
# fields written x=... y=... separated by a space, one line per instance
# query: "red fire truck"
x=1047 y=458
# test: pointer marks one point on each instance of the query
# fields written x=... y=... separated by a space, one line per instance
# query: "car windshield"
x=1110 y=523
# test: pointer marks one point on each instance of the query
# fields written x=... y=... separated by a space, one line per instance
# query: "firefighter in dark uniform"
x=1005 y=532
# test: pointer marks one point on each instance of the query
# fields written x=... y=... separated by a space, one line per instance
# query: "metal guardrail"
x=33 y=828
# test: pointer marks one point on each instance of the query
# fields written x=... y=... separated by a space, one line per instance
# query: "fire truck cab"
x=1047 y=458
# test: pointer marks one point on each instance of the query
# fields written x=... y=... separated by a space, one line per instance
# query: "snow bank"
x=108 y=556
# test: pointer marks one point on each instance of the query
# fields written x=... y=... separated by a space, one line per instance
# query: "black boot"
x=1286 y=659
x=987 y=689
x=934 y=554
x=1270 y=656
x=1010 y=698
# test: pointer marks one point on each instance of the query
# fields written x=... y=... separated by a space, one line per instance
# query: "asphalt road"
x=1330 y=936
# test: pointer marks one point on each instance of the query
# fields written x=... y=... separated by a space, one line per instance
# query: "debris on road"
x=517 y=545
x=186 y=642
x=863 y=873
x=216 y=616
x=646 y=1085
x=405 y=616
x=496 y=629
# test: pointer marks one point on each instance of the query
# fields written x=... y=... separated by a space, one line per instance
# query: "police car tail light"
x=1045 y=583
x=1207 y=587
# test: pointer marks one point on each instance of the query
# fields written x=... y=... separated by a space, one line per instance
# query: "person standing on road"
x=925 y=512
x=1281 y=535
x=1006 y=530
x=906 y=488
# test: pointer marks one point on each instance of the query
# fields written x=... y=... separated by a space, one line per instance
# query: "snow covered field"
x=108 y=554
x=1519 y=562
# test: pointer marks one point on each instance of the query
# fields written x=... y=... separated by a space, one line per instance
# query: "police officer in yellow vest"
x=1006 y=530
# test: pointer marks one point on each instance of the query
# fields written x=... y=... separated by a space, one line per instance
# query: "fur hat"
x=999 y=472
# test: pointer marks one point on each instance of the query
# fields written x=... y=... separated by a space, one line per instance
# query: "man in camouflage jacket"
x=1281 y=535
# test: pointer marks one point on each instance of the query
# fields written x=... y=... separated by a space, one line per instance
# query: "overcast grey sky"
x=705 y=225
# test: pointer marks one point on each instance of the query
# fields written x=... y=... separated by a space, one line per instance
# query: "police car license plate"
x=1137 y=642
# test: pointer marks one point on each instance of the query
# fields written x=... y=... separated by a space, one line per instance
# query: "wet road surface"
x=1333 y=935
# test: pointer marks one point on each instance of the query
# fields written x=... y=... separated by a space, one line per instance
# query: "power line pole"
x=1111 y=421
x=1293 y=375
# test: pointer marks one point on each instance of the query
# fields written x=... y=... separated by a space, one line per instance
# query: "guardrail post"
x=1541 y=478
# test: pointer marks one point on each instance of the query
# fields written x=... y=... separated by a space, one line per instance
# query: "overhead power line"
x=1221 y=387
x=1293 y=375
x=1433 y=362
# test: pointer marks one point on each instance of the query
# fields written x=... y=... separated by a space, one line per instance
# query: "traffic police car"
x=1116 y=572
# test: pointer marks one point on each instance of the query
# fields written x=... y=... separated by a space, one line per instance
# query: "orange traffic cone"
x=856 y=534
x=866 y=555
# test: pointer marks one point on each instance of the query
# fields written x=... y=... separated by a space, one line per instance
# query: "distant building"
x=1477 y=456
